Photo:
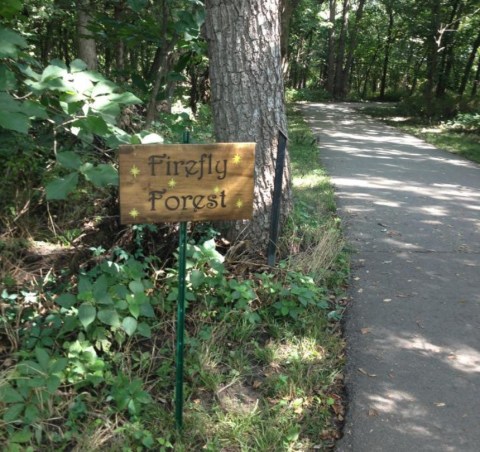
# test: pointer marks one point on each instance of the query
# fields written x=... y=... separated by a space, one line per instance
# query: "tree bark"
x=432 y=46
x=469 y=65
x=447 y=59
x=352 y=46
x=247 y=96
x=87 y=47
x=118 y=14
x=386 y=57
x=331 y=47
x=476 y=81
x=342 y=42
x=287 y=7
x=160 y=66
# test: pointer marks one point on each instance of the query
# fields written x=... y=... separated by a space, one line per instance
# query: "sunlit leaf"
x=77 y=66
x=129 y=324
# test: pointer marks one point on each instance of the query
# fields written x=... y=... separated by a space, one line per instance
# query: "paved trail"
x=412 y=213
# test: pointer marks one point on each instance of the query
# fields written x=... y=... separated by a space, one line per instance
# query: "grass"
x=273 y=384
x=441 y=134
x=278 y=385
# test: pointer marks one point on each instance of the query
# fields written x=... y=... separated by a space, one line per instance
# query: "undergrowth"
x=88 y=349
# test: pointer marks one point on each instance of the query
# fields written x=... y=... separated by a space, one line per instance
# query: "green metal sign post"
x=181 y=183
x=182 y=263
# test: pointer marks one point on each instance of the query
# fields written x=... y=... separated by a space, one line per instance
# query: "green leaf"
x=14 y=121
x=101 y=175
x=10 y=43
x=133 y=307
x=137 y=5
x=31 y=413
x=93 y=124
x=144 y=330
x=34 y=109
x=61 y=187
x=77 y=66
x=136 y=286
x=109 y=317
x=13 y=413
x=7 y=79
x=100 y=287
x=22 y=436
x=86 y=314
x=129 y=324
x=53 y=383
x=69 y=159
x=197 y=278
x=84 y=284
x=125 y=98
x=147 y=311
x=43 y=357
x=9 y=395
x=102 y=88
x=58 y=366
x=52 y=72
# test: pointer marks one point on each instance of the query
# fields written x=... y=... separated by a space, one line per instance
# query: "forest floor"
x=411 y=211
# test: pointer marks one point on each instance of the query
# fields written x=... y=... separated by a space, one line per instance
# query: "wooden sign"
x=186 y=182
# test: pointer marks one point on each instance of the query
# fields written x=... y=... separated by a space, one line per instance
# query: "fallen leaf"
x=256 y=384
x=372 y=412
x=364 y=372
x=365 y=330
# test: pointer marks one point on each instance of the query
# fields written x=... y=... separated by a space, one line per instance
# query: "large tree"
x=247 y=94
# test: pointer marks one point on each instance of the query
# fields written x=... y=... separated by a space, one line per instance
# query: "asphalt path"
x=411 y=213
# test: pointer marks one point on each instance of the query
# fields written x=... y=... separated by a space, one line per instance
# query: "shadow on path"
x=412 y=213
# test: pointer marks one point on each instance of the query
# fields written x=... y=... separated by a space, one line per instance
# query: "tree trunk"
x=447 y=60
x=287 y=7
x=118 y=13
x=476 y=81
x=469 y=65
x=352 y=45
x=87 y=47
x=247 y=96
x=342 y=42
x=160 y=66
x=432 y=45
x=331 y=48
x=386 y=57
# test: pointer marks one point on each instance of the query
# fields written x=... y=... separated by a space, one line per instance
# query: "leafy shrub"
x=465 y=122
x=435 y=109
x=306 y=94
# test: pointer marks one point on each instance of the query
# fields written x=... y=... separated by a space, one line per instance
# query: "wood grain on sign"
x=186 y=182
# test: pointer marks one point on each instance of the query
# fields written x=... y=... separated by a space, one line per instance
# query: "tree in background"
x=247 y=94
